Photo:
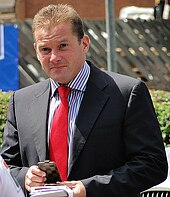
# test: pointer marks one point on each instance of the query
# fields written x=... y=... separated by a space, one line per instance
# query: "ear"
x=38 y=57
x=86 y=43
x=35 y=47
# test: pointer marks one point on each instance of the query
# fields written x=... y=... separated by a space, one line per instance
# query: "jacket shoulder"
x=126 y=84
x=123 y=80
x=37 y=88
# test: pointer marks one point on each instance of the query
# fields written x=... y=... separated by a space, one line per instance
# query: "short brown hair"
x=55 y=14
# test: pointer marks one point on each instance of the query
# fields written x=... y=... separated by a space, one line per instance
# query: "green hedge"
x=4 y=99
x=161 y=101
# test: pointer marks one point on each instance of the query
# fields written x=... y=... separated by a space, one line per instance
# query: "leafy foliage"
x=4 y=99
x=161 y=101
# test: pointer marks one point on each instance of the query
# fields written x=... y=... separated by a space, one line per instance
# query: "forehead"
x=58 y=31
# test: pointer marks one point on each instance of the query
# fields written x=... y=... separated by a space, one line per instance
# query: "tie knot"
x=64 y=91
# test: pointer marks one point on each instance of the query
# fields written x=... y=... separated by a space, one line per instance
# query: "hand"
x=34 y=177
x=77 y=187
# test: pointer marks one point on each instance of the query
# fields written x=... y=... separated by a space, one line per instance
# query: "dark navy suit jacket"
x=117 y=145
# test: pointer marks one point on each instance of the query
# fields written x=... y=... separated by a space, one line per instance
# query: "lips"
x=57 y=67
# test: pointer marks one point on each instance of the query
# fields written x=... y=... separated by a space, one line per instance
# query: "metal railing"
x=156 y=193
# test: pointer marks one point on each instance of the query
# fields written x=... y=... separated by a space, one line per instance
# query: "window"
x=1 y=42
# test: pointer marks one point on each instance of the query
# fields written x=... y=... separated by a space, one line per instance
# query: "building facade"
x=89 y=9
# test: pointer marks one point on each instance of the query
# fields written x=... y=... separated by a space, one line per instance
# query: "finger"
x=70 y=184
x=29 y=184
x=37 y=171
x=34 y=177
x=79 y=190
x=34 y=171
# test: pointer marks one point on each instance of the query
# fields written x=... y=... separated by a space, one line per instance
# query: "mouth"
x=57 y=67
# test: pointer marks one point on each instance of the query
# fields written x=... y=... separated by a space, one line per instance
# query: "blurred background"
x=135 y=40
x=133 y=37
x=141 y=45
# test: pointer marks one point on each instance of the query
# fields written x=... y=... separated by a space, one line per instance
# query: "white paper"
x=51 y=191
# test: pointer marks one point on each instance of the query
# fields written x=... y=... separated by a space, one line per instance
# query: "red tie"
x=59 y=133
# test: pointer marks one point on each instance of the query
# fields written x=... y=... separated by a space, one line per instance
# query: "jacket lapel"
x=39 y=119
x=92 y=104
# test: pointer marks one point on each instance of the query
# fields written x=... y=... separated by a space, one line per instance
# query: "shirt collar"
x=78 y=83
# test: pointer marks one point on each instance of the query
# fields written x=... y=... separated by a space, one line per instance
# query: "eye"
x=63 y=46
x=44 y=50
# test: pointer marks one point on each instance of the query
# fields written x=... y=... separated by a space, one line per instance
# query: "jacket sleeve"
x=146 y=163
x=10 y=148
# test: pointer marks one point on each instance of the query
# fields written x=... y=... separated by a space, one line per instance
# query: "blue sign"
x=9 y=79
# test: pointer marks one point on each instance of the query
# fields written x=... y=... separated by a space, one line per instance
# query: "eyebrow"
x=40 y=45
x=44 y=44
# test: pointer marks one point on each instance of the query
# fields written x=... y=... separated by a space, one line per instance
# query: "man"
x=9 y=186
x=115 y=145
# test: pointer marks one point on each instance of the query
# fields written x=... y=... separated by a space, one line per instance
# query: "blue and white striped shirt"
x=78 y=86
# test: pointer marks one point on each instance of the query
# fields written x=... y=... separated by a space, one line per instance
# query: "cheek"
x=44 y=60
x=44 y=65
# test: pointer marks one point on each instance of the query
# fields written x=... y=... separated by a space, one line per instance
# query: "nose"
x=55 y=56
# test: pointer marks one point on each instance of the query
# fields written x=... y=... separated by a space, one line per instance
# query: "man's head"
x=54 y=14
x=60 y=42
